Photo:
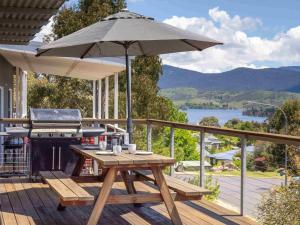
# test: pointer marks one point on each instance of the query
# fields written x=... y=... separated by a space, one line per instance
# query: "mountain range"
x=240 y=79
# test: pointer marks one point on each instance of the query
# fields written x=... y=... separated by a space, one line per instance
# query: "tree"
x=277 y=122
x=245 y=125
x=210 y=121
x=48 y=91
x=185 y=144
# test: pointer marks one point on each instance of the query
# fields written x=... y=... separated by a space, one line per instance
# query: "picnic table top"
x=124 y=159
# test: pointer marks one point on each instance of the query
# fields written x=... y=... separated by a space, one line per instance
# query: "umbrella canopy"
x=130 y=34
x=141 y=34
x=23 y=56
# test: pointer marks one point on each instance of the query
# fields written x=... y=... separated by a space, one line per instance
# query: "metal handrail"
x=263 y=136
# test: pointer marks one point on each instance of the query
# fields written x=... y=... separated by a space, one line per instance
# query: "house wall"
x=6 y=81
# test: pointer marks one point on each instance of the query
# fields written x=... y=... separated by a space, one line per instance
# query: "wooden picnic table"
x=124 y=163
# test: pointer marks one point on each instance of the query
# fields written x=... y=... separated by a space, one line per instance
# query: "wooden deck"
x=28 y=203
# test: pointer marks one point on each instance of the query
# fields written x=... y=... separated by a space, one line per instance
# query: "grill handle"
x=53 y=157
x=59 y=157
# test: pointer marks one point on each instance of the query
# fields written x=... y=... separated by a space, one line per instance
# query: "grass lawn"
x=257 y=174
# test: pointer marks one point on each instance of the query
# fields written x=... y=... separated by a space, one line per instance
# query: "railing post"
x=94 y=99
x=202 y=159
x=116 y=97
x=99 y=99
x=149 y=137
x=172 y=149
x=243 y=172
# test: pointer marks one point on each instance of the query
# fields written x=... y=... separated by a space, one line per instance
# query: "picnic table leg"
x=103 y=195
x=166 y=195
x=79 y=166
x=128 y=183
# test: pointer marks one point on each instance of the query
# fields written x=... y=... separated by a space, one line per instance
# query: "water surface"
x=195 y=115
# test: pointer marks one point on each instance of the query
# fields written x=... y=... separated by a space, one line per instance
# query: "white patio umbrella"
x=130 y=34
x=23 y=56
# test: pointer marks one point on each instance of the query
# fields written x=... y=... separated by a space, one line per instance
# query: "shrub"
x=281 y=206
x=237 y=162
x=210 y=184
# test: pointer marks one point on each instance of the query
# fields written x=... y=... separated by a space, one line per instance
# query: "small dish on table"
x=143 y=153
x=104 y=153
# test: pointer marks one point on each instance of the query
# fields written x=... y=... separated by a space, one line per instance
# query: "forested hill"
x=240 y=79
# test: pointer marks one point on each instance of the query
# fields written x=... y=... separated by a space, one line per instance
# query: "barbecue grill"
x=50 y=133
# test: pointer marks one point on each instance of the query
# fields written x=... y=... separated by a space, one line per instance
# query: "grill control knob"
x=39 y=135
x=50 y=135
x=62 y=134
x=73 y=135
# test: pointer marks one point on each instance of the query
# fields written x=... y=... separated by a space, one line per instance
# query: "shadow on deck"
x=24 y=202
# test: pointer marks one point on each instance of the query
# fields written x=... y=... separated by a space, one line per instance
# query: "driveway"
x=230 y=190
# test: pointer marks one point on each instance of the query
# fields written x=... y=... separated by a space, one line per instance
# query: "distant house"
x=191 y=165
x=212 y=142
x=228 y=156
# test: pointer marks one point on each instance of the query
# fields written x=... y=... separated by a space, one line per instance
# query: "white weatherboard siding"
x=1 y=126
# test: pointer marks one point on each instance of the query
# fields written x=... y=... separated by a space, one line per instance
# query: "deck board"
x=26 y=204
x=38 y=205
x=23 y=202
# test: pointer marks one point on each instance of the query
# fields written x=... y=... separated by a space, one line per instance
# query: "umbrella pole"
x=128 y=89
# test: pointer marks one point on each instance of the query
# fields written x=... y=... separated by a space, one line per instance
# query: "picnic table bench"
x=69 y=192
x=184 y=190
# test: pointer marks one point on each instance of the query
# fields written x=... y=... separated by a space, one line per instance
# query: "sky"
x=255 y=33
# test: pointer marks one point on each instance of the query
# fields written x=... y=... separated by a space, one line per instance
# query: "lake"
x=195 y=115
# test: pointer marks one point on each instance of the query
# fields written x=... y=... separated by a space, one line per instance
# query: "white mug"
x=132 y=148
x=116 y=150
x=119 y=148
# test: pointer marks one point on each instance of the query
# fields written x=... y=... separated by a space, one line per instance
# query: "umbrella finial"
x=126 y=14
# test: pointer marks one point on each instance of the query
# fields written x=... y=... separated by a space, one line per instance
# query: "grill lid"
x=55 y=115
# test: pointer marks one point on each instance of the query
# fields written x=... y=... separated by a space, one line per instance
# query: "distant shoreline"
x=223 y=115
x=246 y=112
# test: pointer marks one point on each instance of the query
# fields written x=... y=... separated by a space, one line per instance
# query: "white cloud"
x=239 y=49
x=46 y=30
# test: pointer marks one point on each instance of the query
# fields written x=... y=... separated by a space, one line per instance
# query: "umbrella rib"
x=42 y=52
x=194 y=46
x=72 y=67
x=141 y=47
x=87 y=50
x=126 y=43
